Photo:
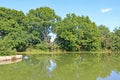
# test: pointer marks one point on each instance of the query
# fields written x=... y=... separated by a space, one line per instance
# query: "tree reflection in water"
x=63 y=67
x=52 y=65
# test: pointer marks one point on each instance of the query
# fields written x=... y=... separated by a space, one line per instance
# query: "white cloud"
x=105 y=10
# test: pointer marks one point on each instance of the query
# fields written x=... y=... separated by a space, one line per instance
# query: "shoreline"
x=61 y=52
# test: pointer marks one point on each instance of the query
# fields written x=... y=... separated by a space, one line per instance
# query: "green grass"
x=36 y=51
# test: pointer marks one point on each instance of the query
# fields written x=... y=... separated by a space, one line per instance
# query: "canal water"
x=63 y=67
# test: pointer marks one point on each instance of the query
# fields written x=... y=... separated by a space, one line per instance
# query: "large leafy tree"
x=68 y=33
x=11 y=29
x=115 y=40
x=41 y=22
x=9 y=17
x=105 y=37
x=13 y=35
x=91 y=35
x=77 y=33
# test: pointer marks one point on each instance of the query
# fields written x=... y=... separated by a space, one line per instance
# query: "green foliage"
x=9 y=14
x=41 y=22
x=105 y=36
x=115 y=40
x=78 y=33
x=42 y=46
x=12 y=32
x=74 y=33
x=5 y=48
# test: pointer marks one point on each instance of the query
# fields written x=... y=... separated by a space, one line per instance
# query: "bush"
x=42 y=46
x=5 y=48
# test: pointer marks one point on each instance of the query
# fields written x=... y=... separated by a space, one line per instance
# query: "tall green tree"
x=12 y=33
x=41 y=22
x=105 y=37
x=115 y=40
x=68 y=33
x=11 y=29
x=77 y=33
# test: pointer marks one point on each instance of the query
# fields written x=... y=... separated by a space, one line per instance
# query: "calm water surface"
x=63 y=67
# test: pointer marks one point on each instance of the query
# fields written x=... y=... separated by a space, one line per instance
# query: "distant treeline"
x=19 y=31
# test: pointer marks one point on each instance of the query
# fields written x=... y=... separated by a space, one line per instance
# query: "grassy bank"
x=35 y=51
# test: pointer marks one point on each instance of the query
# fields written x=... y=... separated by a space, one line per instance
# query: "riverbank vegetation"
x=37 y=29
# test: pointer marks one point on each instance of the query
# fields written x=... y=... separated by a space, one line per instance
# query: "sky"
x=106 y=12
